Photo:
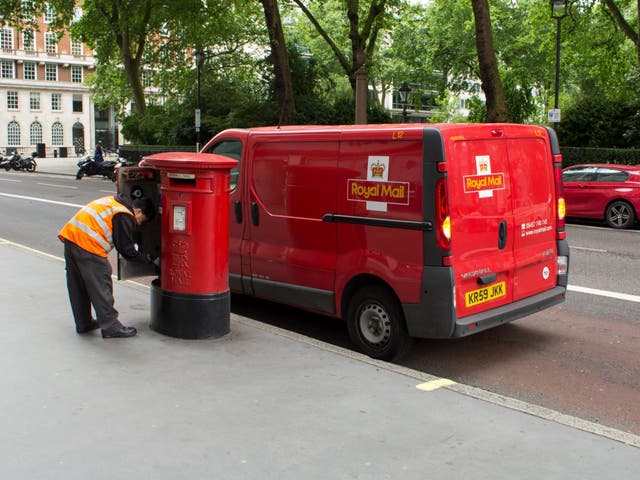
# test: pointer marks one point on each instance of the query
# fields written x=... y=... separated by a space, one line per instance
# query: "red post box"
x=191 y=298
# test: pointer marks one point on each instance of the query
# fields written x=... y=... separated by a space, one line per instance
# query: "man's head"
x=143 y=210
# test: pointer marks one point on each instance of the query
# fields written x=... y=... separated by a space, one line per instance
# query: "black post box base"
x=189 y=316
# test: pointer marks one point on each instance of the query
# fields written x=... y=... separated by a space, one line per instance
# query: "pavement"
x=59 y=166
x=258 y=403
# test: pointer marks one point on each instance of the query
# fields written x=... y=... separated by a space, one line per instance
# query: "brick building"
x=44 y=102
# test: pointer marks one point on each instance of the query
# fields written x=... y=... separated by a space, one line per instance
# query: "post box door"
x=141 y=182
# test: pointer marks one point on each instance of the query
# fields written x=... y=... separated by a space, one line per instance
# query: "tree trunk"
x=626 y=28
x=280 y=59
x=489 y=75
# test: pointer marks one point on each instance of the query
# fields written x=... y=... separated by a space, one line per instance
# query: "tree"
x=617 y=10
x=489 y=75
x=280 y=60
x=362 y=34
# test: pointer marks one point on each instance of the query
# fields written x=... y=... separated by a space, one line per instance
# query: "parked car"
x=603 y=191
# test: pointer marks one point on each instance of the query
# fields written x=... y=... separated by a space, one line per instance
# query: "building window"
x=30 y=71
x=6 y=38
x=77 y=104
x=12 y=100
x=56 y=134
x=8 y=70
x=29 y=40
x=50 y=43
x=35 y=133
x=13 y=134
x=34 y=100
x=51 y=72
x=76 y=48
x=56 y=102
x=76 y=73
x=49 y=13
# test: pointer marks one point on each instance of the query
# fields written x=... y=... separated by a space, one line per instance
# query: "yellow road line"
x=435 y=384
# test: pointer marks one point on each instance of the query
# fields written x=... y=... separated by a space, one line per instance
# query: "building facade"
x=44 y=103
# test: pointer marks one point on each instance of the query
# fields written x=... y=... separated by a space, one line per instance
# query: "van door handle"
x=502 y=235
x=254 y=214
x=487 y=279
x=237 y=209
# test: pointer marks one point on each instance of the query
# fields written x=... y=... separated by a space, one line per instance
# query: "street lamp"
x=199 y=56
x=404 y=96
x=558 y=11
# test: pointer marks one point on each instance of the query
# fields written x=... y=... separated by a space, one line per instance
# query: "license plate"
x=484 y=294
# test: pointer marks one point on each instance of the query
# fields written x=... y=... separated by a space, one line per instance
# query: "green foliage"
x=619 y=156
x=601 y=122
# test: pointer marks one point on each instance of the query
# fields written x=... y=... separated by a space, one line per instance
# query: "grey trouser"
x=89 y=283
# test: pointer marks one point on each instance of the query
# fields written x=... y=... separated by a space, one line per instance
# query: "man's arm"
x=124 y=227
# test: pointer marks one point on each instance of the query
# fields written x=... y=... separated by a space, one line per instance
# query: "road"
x=579 y=358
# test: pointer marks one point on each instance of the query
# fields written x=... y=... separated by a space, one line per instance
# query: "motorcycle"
x=29 y=164
x=122 y=162
x=12 y=161
x=89 y=168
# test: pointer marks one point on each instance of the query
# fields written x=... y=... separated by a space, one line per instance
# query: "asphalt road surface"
x=580 y=358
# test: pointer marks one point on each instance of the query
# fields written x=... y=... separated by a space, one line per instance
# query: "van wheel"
x=376 y=324
x=620 y=215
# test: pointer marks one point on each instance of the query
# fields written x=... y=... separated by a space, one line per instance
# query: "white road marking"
x=44 y=200
x=605 y=293
x=10 y=180
x=55 y=185
x=587 y=249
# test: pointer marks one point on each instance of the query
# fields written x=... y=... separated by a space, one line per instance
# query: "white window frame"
x=8 y=68
x=49 y=13
x=6 y=38
x=13 y=134
x=34 y=101
x=56 y=102
x=77 y=48
x=33 y=68
x=35 y=133
x=29 y=40
x=51 y=72
x=12 y=100
x=77 y=74
x=50 y=43
x=57 y=134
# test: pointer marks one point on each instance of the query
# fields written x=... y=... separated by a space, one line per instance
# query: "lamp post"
x=199 y=56
x=558 y=11
x=404 y=96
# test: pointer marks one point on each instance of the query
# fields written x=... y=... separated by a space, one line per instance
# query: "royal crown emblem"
x=377 y=169
x=483 y=167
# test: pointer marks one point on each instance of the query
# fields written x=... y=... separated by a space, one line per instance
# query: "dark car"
x=603 y=191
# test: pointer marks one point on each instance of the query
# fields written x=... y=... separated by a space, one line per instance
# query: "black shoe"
x=94 y=325
x=121 y=332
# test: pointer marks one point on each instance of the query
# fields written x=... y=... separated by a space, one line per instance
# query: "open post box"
x=191 y=298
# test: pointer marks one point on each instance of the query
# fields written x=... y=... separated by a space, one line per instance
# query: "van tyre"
x=376 y=324
x=620 y=214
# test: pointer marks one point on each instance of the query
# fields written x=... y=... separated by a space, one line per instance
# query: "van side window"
x=232 y=149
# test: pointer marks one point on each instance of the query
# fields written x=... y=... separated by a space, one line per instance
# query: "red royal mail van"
x=430 y=231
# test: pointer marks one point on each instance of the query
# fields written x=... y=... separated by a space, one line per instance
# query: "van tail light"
x=561 y=208
x=443 y=219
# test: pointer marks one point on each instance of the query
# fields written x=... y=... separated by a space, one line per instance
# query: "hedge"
x=620 y=156
x=134 y=153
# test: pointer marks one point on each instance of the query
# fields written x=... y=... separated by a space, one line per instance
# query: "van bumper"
x=434 y=316
x=507 y=313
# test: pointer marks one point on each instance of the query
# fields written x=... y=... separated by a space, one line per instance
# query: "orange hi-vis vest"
x=91 y=228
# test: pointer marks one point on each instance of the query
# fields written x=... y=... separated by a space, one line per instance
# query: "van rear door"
x=482 y=223
x=534 y=200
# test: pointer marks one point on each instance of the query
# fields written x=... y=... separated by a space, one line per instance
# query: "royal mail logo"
x=481 y=183
x=377 y=170
x=388 y=192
